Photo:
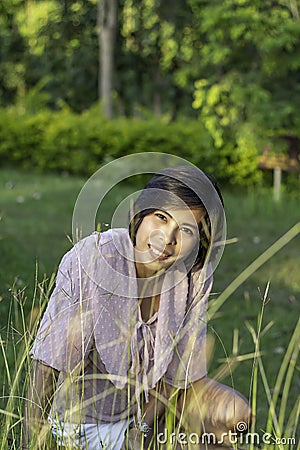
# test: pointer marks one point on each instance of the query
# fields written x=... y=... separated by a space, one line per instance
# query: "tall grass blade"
x=253 y=267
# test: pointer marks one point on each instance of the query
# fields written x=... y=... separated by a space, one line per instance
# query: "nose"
x=163 y=237
x=169 y=235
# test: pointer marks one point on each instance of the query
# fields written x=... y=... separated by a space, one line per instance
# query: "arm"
x=153 y=411
x=58 y=343
x=157 y=405
x=39 y=398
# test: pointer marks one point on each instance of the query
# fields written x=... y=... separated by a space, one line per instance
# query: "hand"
x=135 y=439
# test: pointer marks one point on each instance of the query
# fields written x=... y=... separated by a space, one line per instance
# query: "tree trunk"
x=294 y=9
x=157 y=90
x=107 y=23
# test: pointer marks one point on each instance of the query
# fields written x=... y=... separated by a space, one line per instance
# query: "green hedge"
x=78 y=144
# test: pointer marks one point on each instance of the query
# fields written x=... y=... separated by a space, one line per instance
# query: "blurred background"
x=215 y=82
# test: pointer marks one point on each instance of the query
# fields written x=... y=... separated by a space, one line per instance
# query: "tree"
x=51 y=44
x=107 y=23
x=12 y=50
x=152 y=31
x=247 y=91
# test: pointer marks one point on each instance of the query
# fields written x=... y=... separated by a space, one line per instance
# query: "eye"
x=161 y=216
x=187 y=231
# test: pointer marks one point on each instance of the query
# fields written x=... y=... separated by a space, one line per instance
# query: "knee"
x=232 y=409
x=218 y=407
x=239 y=413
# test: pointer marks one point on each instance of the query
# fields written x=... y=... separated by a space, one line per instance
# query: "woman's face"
x=163 y=238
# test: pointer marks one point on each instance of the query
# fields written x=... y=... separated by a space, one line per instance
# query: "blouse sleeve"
x=65 y=333
x=189 y=358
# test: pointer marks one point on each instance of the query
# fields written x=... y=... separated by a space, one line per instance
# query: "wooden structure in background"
x=278 y=163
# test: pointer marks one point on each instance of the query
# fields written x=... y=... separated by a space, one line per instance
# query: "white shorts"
x=103 y=436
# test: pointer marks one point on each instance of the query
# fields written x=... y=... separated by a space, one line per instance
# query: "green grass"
x=257 y=222
x=35 y=220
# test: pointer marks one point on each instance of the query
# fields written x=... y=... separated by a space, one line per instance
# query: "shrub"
x=21 y=137
x=79 y=144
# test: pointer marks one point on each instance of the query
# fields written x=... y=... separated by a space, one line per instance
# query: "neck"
x=147 y=287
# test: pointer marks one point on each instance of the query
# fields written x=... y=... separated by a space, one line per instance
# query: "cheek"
x=143 y=231
x=188 y=245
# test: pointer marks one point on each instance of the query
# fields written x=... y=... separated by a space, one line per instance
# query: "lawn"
x=35 y=222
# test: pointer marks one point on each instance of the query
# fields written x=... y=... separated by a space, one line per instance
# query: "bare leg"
x=215 y=409
x=210 y=411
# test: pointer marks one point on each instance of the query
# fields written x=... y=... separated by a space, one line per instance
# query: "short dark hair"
x=171 y=187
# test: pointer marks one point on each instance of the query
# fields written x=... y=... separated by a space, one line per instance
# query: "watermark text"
x=238 y=437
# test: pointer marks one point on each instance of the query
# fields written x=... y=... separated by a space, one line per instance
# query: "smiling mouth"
x=159 y=254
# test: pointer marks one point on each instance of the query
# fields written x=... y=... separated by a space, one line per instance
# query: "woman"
x=124 y=331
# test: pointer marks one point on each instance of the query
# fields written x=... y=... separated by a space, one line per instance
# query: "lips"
x=159 y=253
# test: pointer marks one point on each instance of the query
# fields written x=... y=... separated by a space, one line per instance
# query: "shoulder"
x=97 y=240
x=96 y=245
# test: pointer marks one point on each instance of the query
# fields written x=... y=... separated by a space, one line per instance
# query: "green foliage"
x=12 y=53
x=249 y=61
x=79 y=144
x=52 y=39
x=234 y=64
x=151 y=33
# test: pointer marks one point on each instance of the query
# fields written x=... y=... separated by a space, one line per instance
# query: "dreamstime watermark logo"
x=239 y=437
x=90 y=200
